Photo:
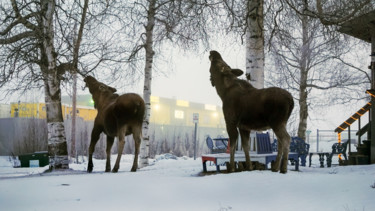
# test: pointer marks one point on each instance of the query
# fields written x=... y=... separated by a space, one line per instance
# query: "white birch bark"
x=303 y=107
x=255 y=44
x=145 y=145
x=57 y=146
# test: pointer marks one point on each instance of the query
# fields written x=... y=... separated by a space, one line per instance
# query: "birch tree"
x=27 y=34
x=151 y=24
x=255 y=44
x=34 y=53
x=306 y=60
x=332 y=13
x=246 y=20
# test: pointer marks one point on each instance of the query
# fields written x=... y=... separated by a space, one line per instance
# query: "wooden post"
x=359 y=128
x=349 y=141
x=372 y=124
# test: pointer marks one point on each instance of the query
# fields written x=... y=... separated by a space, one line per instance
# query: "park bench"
x=218 y=147
x=298 y=146
x=263 y=154
x=338 y=148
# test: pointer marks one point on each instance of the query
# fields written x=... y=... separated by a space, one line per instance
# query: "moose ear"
x=102 y=88
x=113 y=89
x=237 y=72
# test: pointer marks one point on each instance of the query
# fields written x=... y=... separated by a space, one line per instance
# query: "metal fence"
x=322 y=140
x=27 y=135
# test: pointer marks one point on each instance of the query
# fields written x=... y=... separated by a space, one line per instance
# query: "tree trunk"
x=303 y=111
x=144 y=155
x=255 y=44
x=57 y=146
x=74 y=116
x=77 y=43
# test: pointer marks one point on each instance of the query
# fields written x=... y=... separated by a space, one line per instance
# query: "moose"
x=118 y=116
x=246 y=108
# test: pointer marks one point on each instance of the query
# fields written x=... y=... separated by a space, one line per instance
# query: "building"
x=4 y=110
x=38 y=110
x=164 y=111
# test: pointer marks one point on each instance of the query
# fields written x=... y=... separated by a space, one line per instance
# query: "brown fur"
x=246 y=108
x=118 y=116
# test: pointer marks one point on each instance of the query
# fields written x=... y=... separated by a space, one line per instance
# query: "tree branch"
x=18 y=37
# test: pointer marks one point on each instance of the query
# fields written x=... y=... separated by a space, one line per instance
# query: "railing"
x=356 y=116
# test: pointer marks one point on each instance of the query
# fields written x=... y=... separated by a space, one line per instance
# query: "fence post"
x=195 y=120
x=317 y=140
x=349 y=139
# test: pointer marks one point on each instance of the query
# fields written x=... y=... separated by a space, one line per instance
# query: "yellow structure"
x=38 y=110
x=164 y=111
x=179 y=112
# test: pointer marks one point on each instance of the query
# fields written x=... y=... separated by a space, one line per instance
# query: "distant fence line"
x=28 y=135
x=320 y=136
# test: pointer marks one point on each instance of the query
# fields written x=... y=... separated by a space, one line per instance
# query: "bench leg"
x=303 y=160
x=297 y=165
x=204 y=166
x=329 y=160
x=310 y=159
x=217 y=168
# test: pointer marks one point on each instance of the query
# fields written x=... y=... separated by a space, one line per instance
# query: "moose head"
x=98 y=89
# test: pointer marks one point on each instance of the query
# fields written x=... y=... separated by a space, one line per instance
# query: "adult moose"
x=246 y=108
x=118 y=116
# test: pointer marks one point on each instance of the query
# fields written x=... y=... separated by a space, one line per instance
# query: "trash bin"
x=36 y=159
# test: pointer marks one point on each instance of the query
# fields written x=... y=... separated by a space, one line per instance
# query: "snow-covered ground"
x=177 y=184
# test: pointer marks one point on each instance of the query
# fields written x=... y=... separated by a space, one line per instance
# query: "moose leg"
x=121 y=143
x=286 y=145
x=276 y=166
x=233 y=135
x=95 y=134
x=110 y=141
x=245 y=137
x=283 y=142
x=137 y=140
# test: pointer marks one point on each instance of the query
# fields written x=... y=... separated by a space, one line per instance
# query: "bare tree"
x=331 y=13
x=246 y=19
x=306 y=60
x=36 y=51
x=152 y=23
x=27 y=39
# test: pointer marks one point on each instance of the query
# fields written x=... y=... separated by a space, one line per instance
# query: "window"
x=178 y=114
x=182 y=103
x=210 y=107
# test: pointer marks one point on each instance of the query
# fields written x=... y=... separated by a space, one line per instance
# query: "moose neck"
x=103 y=99
x=223 y=84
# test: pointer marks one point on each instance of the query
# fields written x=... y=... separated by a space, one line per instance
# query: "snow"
x=172 y=183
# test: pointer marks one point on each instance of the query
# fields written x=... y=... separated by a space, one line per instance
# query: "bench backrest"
x=263 y=143
x=339 y=148
x=296 y=145
x=220 y=145
x=209 y=142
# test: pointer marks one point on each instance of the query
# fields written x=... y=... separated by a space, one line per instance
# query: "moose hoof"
x=133 y=169
x=89 y=169
x=283 y=171
x=229 y=168
x=114 y=170
x=240 y=166
x=250 y=168
x=108 y=170
x=274 y=170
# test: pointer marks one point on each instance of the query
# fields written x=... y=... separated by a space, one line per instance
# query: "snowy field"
x=177 y=184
